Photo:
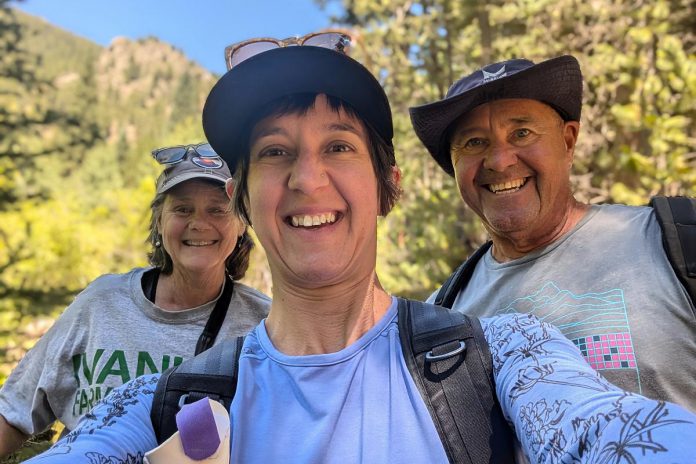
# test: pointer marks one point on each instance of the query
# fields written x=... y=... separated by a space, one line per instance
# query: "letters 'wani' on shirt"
x=608 y=286
x=360 y=405
x=109 y=335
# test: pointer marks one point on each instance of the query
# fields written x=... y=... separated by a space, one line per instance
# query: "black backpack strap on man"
x=459 y=279
x=677 y=218
x=451 y=365
x=211 y=374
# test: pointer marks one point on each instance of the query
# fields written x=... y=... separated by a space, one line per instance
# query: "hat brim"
x=556 y=82
x=268 y=76
x=173 y=182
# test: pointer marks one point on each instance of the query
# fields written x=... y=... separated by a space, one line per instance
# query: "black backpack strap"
x=459 y=279
x=677 y=218
x=216 y=318
x=451 y=365
x=212 y=374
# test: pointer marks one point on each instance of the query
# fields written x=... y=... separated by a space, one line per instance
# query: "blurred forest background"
x=78 y=121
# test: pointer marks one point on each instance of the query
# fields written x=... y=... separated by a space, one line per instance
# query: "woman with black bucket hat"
x=123 y=326
x=325 y=377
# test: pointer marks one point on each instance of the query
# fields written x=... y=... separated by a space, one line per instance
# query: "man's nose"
x=501 y=155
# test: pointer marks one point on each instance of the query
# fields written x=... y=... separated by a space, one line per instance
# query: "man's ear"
x=571 y=130
x=229 y=188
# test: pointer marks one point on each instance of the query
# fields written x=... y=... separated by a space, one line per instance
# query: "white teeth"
x=315 y=220
x=507 y=187
x=198 y=243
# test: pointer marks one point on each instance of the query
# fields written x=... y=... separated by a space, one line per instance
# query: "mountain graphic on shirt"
x=576 y=316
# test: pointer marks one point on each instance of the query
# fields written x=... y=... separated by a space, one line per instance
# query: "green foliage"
x=32 y=447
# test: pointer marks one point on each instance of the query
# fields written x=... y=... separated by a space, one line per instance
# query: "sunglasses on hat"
x=236 y=53
x=206 y=156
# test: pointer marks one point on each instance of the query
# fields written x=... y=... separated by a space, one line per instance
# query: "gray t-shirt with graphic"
x=610 y=289
x=109 y=335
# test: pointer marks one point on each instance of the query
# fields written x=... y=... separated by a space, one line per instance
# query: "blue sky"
x=201 y=28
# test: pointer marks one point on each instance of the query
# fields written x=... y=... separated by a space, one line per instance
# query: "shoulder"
x=251 y=294
x=106 y=288
x=109 y=282
x=625 y=212
x=626 y=222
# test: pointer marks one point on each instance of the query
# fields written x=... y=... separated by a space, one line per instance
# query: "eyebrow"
x=273 y=130
x=191 y=198
x=520 y=120
x=344 y=127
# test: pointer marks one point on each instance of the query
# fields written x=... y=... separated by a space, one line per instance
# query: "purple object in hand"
x=197 y=430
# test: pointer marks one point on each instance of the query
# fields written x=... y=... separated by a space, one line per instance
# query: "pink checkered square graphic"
x=607 y=351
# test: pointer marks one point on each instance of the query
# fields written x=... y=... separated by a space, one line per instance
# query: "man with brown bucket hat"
x=600 y=273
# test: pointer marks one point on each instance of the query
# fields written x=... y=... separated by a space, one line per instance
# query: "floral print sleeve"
x=565 y=412
x=117 y=431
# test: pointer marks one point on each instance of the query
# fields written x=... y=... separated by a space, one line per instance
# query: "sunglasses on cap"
x=236 y=53
x=205 y=155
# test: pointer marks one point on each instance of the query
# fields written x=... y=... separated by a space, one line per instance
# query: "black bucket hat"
x=556 y=82
x=268 y=76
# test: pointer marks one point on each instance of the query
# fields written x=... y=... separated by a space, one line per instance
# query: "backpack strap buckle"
x=193 y=396
x=431 y=357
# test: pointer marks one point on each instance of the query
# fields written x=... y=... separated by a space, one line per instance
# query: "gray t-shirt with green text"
x=109 y=335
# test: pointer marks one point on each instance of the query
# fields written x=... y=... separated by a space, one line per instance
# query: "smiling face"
x=198 y=229
x=313 y=198
x=512 y=162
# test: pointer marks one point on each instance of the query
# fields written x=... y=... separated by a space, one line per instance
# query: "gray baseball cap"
x=188 y=162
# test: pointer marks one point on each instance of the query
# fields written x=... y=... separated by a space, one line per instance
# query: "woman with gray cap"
x=123 y=326
x=325 y=378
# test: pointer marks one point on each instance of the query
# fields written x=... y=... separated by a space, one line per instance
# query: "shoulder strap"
x=449 y=360
x=459 y=279
x=211 y=374
x=677 y=218
x=216 y=318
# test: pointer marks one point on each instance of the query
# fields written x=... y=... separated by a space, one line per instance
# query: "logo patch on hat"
x=207 y=163
x=487 y=76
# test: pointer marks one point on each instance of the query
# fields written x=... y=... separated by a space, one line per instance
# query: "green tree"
x=32 y=134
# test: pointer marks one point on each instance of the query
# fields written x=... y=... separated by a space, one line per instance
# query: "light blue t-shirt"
x=360 y=405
